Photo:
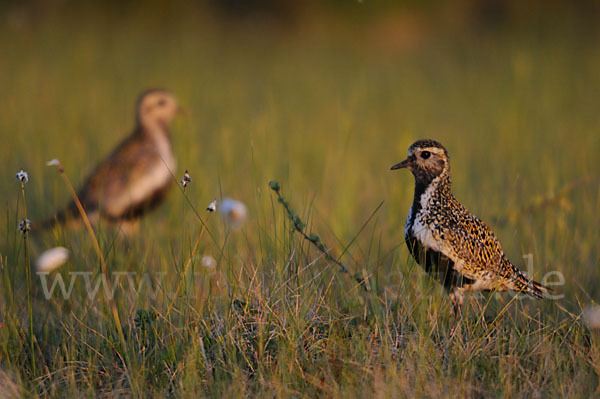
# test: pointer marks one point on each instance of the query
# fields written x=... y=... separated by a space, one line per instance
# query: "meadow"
x=324 y=109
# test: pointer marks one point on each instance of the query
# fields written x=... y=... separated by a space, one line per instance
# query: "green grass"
x=325 y=111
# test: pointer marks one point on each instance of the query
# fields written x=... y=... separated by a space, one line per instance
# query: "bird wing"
x=468 y=242
x=129 y=176
x=478 y=255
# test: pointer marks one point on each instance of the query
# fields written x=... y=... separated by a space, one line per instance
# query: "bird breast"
x=163 y=144
x=419 y=226
x=156 y=176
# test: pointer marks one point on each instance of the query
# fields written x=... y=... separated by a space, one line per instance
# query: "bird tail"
x=61 y=218
x=523 y=283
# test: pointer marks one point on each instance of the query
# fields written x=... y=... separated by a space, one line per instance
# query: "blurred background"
x=323 y=96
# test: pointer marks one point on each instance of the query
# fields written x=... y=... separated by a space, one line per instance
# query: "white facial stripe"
x=433 y=150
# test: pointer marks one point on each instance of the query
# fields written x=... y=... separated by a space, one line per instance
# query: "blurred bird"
x=449 y=242
x=136 y=176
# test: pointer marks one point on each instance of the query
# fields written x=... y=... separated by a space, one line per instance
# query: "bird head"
x=427 y=159
x=156 y=108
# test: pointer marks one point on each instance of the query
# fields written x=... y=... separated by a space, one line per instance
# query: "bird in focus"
x=136 y=176
x=448 y=241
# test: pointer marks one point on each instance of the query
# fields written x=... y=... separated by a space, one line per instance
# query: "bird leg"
x=481 y=310
x=129 y=228
x=457 y=299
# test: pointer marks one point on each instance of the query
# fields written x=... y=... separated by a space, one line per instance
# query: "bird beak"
x=404 y=164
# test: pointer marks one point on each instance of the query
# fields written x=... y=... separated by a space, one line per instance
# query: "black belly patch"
x=436 y=264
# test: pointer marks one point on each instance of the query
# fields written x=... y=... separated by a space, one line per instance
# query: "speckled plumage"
x=452 y=244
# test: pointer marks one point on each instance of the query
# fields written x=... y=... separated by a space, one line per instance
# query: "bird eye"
x=162 y=102
x=425 y=154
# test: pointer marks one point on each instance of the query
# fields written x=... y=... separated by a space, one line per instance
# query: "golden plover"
x=136 y=176
x=449 y=242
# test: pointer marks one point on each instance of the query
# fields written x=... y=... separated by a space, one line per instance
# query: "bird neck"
x=155 y=130
x=427 y=188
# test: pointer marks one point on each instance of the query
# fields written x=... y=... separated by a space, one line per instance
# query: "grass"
x=325 y=111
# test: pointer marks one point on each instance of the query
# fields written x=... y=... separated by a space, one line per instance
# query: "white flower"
x=52 y=259
x=186 y=179
x=25 y=225
x=234 y=212
x=208 y=262
x=592 y=316
x=212 y=206
x=22 y=176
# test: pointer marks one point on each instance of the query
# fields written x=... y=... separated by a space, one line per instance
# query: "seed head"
x=22 y=176
x=212 y=206
x=55 y=162
x=274 y=185
x=234 y=212
x=25 y=225
x=208 y=262
x=592 y=317
x=52 y=259
x=186 y=179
